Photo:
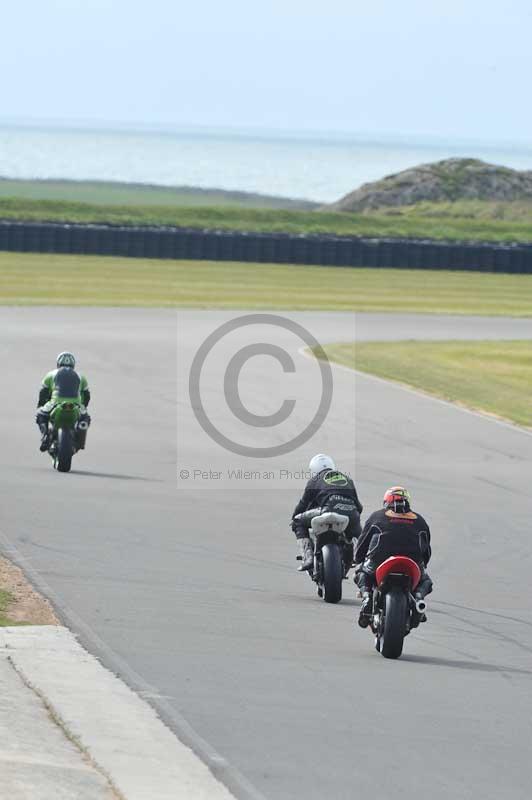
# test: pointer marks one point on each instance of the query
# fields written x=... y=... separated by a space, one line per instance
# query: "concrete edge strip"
x=120 y=732
x=56 y=719
x=239 y=786
x=420 y=393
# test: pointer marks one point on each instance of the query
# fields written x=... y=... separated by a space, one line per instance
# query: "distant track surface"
x=190 y=586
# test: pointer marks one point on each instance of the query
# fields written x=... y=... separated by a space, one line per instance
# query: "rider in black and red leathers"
x=394 y=530
x=330 y=489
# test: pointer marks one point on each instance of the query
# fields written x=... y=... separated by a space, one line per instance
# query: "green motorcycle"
x=68 y=430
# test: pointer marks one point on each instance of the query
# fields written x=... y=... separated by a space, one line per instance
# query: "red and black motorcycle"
x=395 y=610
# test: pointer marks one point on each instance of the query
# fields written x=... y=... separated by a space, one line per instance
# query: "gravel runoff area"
x=24 y=604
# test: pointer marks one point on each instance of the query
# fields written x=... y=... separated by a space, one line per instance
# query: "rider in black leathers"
x=394 y=530
x=332 y=490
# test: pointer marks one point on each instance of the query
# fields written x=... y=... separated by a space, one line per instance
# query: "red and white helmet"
x=398 y=499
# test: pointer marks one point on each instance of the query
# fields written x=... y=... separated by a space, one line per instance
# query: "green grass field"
x=422 y=222
x=5 y=599
x=35 y=279
x=510 y=210
x=113 y=193
x=495 y=377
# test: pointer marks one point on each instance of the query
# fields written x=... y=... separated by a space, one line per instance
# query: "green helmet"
x=66 y=360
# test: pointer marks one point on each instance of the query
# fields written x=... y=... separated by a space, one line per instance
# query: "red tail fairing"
x=400 y=564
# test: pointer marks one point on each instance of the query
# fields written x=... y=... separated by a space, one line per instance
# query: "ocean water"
x=319 y=167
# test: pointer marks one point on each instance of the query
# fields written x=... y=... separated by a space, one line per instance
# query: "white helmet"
x=321 y=462
x=66 y=360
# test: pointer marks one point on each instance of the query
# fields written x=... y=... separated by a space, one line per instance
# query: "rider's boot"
x=45 y=438
x=364 y=618
x=306 y=551
x=348 y=557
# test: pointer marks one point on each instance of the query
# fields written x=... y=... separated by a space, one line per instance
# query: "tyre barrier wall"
x=216 y=245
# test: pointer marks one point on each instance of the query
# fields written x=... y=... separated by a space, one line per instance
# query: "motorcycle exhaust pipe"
x=83 y=425
x=421 y=606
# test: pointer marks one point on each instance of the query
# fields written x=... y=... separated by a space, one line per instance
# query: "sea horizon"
x=314 y=165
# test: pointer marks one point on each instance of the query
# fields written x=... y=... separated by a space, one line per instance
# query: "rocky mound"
x=443 y=181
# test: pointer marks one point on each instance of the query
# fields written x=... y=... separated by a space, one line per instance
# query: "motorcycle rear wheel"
x=393 y=634
x=64 y=450
x=333 y=573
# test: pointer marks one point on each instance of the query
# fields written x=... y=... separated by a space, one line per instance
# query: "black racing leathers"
x=334 y=491
x=44 y=396
x=387 y=533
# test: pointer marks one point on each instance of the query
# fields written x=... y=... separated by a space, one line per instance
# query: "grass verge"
x=468 y=223
x=494 y=377
x=35 y=279
x=5 y=599
x=138 y=194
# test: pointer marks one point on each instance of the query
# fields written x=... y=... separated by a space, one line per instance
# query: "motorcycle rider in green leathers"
x=63 y=383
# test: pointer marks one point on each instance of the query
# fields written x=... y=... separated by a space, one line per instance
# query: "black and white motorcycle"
x=326 y=529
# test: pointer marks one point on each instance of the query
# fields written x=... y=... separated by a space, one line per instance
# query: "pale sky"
x=448 y=68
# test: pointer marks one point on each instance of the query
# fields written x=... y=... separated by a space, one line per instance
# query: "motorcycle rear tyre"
x=393 y=634
x=333 y=573
x=64 y=450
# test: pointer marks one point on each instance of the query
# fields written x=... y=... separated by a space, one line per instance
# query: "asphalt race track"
x=189 y=584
